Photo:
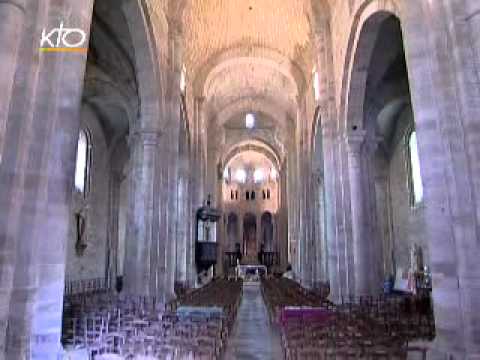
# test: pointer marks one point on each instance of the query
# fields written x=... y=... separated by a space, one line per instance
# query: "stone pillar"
x=309 y=250
x=300 y=198
x=324 y=244
x=36 y=180
x=473 y=19
x=171 y=157
x=283 y=224
x=12 y=13
x=171 y=208
x=183 y=217
x=445 y=103
x=372 y=222
x=357 y=202
x=164 y=217
x=196 y=186
x=335 y=227
x=140 y=247
x=112 y=236
x=292 y=203
x=335 y=272
x=318 y=224
x=384 y=218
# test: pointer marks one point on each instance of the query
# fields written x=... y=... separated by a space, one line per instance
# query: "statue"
x=80 y=244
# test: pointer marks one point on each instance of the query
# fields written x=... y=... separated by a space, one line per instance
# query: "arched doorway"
x=250 y=235
x=267 y=231
x=232 y=231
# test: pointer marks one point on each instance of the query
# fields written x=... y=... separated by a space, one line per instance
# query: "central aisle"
x=253 y=337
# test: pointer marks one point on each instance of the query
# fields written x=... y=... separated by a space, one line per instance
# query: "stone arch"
x=257 y=146
x=146 y=64
x=260 y=55
x=365 y=26
x=266 y=105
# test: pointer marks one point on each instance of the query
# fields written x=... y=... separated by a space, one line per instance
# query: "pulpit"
x=206 y=244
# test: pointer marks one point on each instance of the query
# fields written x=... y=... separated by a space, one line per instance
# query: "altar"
x=251 y=273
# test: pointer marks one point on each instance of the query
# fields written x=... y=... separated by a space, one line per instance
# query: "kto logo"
x=63 y=39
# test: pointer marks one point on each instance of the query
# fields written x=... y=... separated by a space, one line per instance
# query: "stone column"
x=309 y=245
x=445 y=103
x=300 y=198
x=184 y=218
x=473 y=19
x=196 y=186
x=383 y=225
x=335 y=227
x=283 y=224
x=357 y=202
x=12 y=13
x=292 y=203
x=324 y=244
x=140 y=244
x=373 y=233
x=163 y=217
x=171 y=208
x=335 y=275
x=36 y=180
x=172 y=155
x=112 y=236
x=318 y=226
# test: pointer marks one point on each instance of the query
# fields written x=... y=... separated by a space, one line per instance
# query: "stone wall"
x=94 y=207
x=407 y=219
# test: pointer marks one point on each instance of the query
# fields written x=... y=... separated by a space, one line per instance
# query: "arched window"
x=247 y=195
x=268 y=193
x=82 y=167
x=253 y=195
x=316 y=85
x=416 y=185
x=241 y=176
x=250 y=121
x=258 y=176
x=183 y=80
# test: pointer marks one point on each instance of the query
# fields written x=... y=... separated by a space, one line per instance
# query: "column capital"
x=144 y=136
x=355 y=140
x=372 y=143
x=320 y=30
x=175 y=27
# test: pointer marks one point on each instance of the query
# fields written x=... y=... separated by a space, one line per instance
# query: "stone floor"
x=253 y=337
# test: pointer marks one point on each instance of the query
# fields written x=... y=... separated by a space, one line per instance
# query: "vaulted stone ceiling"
x=240 y=50
x=213 y=26
x=246 y=55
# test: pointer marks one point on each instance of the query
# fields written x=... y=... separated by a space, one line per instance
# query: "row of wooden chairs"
x=109 y=325
x=357 y=328
x=86 y=286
